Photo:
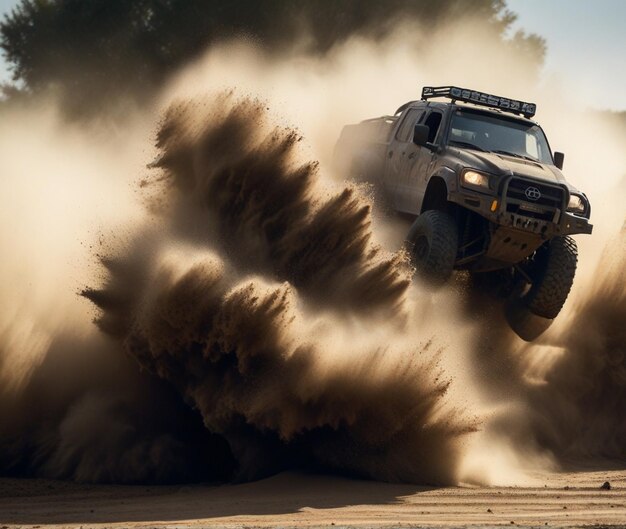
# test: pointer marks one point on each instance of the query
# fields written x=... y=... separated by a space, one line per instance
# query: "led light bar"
x=480 y=98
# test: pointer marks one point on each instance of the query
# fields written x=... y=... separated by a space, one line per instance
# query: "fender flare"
x=450 y=180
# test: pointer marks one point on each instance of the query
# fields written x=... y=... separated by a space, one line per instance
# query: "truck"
x=483 y=191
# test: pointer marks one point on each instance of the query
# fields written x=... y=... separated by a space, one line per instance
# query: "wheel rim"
x=421 y=248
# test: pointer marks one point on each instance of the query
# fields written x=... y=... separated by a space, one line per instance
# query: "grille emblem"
x=532 y=193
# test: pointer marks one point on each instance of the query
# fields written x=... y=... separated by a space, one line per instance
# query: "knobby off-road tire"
x=525 y=324
x=556 y=267
x=433 y=242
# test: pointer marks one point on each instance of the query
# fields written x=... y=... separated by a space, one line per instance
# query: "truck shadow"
x=34 y=502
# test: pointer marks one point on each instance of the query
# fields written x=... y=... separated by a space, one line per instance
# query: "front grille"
x=546 y=207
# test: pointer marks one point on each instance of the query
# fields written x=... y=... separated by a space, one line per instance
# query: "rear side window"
x=405 y=132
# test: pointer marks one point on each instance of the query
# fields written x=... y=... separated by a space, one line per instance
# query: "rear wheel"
x=433 y=242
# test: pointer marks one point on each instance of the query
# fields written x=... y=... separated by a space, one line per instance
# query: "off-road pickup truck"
x=484 y=188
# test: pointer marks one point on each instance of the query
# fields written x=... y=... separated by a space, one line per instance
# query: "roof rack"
x=480 y=98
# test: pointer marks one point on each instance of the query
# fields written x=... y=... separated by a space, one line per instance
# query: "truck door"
x=415 y=170
x=396 y=153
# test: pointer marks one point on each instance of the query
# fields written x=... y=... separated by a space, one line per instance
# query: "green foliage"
x=94 y=51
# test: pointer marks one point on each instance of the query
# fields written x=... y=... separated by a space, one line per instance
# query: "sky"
x=5 y=6
x=586 y=42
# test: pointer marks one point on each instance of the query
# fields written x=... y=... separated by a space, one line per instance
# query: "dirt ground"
x=567 y=499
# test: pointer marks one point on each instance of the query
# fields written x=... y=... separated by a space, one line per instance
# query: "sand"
x=289 y=499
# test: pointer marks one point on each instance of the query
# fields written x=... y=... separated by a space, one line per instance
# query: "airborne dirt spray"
x=269 y=308
x=260 y=319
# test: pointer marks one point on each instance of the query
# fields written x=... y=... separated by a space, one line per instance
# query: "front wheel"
x=553 y=274
x=432 y=242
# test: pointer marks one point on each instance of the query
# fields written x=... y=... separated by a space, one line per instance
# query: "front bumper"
x=503 y=209
x=568 y=224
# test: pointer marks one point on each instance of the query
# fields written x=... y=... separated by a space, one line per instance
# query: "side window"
x=532 y=147
x=405 y=132
x=432 y=122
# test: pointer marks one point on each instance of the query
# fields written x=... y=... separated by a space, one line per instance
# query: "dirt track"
x=292 y=499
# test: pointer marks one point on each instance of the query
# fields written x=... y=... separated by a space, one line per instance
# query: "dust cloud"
x=256 y=314
x=578 y=412
x=72 y=404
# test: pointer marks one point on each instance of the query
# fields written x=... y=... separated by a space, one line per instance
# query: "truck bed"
x=361 y=148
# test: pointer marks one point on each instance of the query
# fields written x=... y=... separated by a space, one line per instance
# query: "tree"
x=95 y=51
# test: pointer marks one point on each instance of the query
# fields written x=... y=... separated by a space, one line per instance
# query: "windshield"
x=503 y=136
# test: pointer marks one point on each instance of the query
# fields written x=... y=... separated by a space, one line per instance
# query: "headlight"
x=576 y=204
x=475 y=179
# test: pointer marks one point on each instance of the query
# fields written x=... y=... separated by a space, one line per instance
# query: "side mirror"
x=559 y=158
x=420 y=135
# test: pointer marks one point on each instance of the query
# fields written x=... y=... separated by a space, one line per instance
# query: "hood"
x=505 y=165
